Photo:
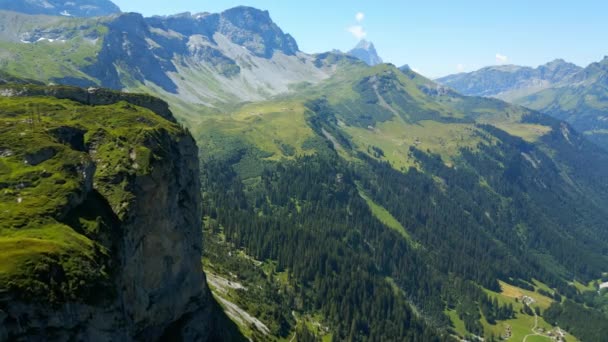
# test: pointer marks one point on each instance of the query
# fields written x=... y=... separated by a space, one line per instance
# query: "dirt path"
x=534 y=332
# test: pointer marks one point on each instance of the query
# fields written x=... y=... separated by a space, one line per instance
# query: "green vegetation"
x=52 y=57
x=384 y=216
x=380 y=164
x=582 y=102
x=64 y=168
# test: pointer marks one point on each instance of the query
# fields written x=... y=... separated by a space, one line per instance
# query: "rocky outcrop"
x=91 y=97
x=153 y=233
x=79 y=8
x=366 y=52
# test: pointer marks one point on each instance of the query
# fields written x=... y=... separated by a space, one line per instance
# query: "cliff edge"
x=100 y=237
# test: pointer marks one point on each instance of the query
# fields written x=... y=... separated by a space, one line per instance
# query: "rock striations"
x=101 y=233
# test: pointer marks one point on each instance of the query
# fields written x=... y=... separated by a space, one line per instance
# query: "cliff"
x=100 y=237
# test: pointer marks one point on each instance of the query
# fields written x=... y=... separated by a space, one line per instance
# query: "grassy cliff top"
x=64 y=170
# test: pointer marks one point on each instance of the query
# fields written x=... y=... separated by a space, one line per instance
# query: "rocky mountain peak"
x=73 y=8
x=255 y=30
x=366 y=52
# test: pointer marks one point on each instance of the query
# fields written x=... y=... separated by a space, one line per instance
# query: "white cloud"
x=460 y=67
x=357 y=31
x=416 y=70
x=360 y=16
x=501 y=59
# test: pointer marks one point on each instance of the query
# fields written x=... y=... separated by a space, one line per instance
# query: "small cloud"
x=360 y=16
x=416 y=70
x=461 y=67
x=501 y=59
x=357 y=31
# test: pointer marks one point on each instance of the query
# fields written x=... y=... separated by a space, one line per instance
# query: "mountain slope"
x=562 y=90
x=489 y=205
x=366 y=52
x=191 y=60
x=346 y=201
x=77 y=8
x=582 y=101
x=510 y=81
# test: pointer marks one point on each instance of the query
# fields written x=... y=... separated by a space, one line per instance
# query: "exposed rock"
x=156 y=286
x=70 y=136
x=40 y=156
x=79 y=8
x=366 y=52
x=255 y=30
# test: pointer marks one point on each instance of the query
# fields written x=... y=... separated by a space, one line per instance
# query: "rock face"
x=506 y=81
x=76 y=8
x=366 y=52
x=145 y=197
x=188 y=59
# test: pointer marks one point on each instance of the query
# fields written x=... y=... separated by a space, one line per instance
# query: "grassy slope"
x=267 y=125
x=522 y=324
x=35 y=233
x=44 y=60
x=272 y=125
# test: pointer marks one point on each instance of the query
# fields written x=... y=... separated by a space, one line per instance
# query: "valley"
x=206 y=180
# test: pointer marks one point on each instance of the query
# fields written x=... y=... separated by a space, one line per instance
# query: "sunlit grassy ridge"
x=45 y=55
x=379 y=108
x=53 y=224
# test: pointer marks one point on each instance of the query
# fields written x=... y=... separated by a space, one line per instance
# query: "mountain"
x=510 y=81
x=582 y=101
x=421 y=186
x=562 y=90
x=100 y=232
x=366 y=52
x=340 y=201
x=75 y=8
x=192 y=60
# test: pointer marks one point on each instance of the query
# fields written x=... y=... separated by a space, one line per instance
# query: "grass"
x=278 y=129
x=522 y=324
x=457 y=322
x=55 y=231
x=395 y=139
x=513 y=292
x=50 y=60
x=528 y=132
x=385 y=216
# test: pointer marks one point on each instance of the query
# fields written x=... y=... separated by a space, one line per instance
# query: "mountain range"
x=339 y=200
x=563 y=90
x=88 y=8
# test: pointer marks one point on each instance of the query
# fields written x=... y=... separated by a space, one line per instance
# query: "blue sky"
x=434 y=37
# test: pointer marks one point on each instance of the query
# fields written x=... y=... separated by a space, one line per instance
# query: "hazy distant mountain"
x=367 y=203
x=510 y=81
x=560 y=89
x=366 y=52
x=76 y=8
x=581 y=100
